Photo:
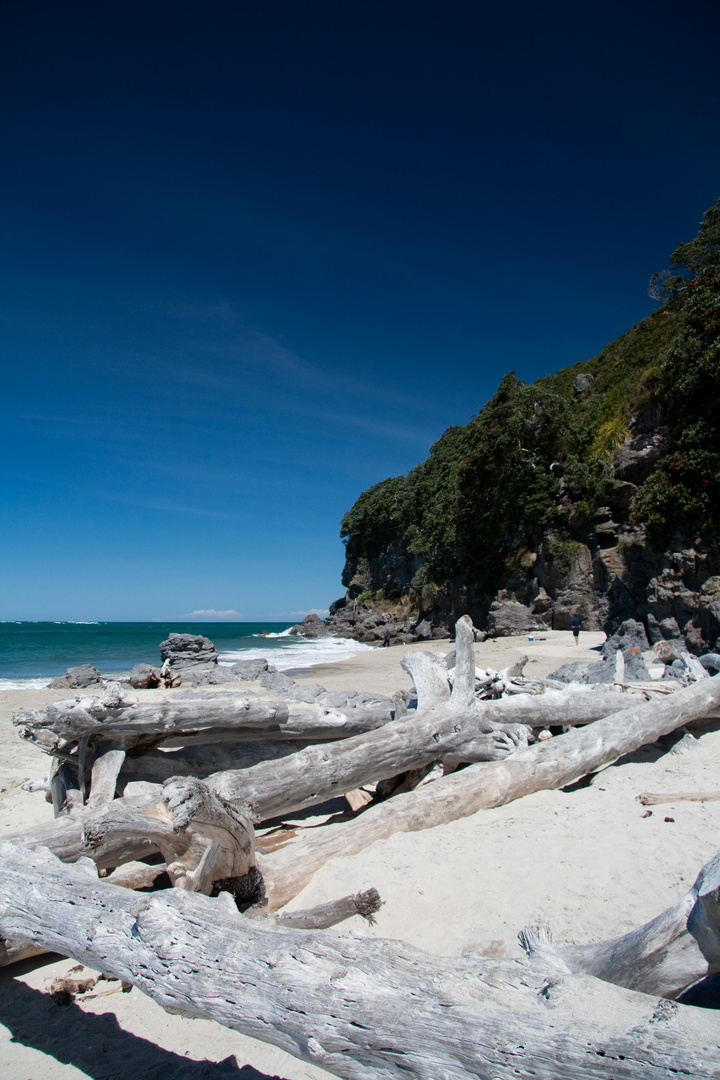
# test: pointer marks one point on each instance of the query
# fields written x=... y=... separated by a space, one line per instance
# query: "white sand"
x=586 y=862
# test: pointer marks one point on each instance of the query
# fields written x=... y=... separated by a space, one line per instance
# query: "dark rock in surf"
x=312 y=626
x=180 y=649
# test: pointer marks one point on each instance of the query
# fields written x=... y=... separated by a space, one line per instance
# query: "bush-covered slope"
x=540 y=463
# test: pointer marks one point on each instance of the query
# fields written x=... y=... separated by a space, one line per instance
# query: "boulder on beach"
x=144 y=677
x=250 y=670
x=629 y=639
x=204 y=674
x=277 y=682
x=312 y=626
x=194 y=659
x=509 y=617
x=181 y=649
x=77 y=678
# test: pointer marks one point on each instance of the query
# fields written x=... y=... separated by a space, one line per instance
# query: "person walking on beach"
x=386 y=638
x=576 y=624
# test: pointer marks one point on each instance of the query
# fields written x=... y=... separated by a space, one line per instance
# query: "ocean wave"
x=280 y=633
x=299 y=652
x=42 y=682
x=26 y=684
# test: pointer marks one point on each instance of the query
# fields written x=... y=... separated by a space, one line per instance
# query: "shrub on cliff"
x=685 y=488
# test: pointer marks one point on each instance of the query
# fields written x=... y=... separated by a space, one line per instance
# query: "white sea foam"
x=303 y=652
x=42 y=682
x=292 y=651
x=26 y=684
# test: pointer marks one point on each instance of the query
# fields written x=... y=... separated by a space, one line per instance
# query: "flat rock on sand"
x=586 y=862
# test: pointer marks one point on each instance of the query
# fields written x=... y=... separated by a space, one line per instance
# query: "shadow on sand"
x=97 y=1045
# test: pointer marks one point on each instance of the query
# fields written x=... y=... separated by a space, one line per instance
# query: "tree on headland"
x=685 y=488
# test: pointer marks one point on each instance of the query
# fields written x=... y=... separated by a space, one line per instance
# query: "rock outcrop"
x=629 y=639
x=362 y=621
x=145 y=677
x=312 y=626
x=78 y=678
x=194 y=659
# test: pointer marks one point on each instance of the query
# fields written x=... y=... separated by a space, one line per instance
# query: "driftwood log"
x=111 y=838
x=364 y=1009
x=173 y=722
x=647 y=798
x=550 y=764
x=139 y=763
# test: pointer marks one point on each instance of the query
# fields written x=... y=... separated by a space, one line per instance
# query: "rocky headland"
x=592 y=492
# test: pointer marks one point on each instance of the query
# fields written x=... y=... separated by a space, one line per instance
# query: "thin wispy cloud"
x=211 y=613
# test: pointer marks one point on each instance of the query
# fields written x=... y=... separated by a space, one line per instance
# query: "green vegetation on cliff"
x=685 y=488
x=540 y=456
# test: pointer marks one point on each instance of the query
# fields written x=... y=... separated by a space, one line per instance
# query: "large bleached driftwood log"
x=113 y=768
x=317 y=773
x=546 y=765
x=362 y=1009
x=172 y=722
x=552 y=709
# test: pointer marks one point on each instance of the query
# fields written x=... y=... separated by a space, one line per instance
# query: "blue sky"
x=257 y=256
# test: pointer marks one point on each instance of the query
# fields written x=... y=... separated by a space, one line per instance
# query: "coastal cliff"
x=595 y=490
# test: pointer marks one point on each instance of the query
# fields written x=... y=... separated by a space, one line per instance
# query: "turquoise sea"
x=33 y=653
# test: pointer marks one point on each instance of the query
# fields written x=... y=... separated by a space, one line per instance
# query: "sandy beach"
x=589 y=862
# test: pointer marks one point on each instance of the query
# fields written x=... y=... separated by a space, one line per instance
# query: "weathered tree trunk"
x=362 y=1009
x=182 y=723
x=64 y=836
x=319 y=772
x=550 y=764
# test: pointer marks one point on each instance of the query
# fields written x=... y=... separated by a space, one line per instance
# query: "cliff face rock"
x=601 y=570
